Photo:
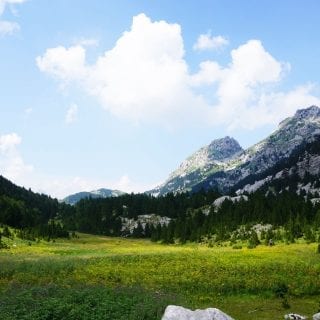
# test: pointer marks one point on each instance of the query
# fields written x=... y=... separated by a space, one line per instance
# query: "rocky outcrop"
x=218 y=202
x=180 y=313
x=128 y=225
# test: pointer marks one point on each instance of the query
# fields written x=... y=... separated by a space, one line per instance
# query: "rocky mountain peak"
x=200 y=164
x=216 y=152
x=304 y=125
x=223 y=148
x=307 y=115
x=311 y=112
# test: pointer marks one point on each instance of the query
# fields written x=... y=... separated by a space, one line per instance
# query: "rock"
x=316 y=316
x=180 y=313
x=294 y=316
x=219 y=201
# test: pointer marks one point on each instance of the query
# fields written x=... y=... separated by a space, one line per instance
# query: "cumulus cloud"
x=72 y=114
x=209 y=42
x=8 y=27
x=146 y=79
x=64 y=64
x=12 y=165
x=143 y=78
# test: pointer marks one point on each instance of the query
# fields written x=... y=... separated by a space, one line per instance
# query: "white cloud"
x=12 y=165
x=209 y=42
x=72 y=114
x=9 y=142
x=146 y=79
x=126 y=184
x=209 y=73
x=60 y=187
x=3 y=4
x=8 y=27
x=64 y=64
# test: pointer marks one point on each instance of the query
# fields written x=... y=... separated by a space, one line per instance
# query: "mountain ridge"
x=291 y=132
x=99 y=193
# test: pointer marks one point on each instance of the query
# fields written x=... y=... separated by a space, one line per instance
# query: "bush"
x=281 y=291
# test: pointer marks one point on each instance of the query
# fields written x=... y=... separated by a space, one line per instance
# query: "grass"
x=80 y=302
x=132 y=275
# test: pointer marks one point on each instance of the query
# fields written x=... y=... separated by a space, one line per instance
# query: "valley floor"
x=94 y=277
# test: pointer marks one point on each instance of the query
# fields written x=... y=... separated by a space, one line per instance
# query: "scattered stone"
x=316 y=316
x=294 y=316
x=180 y=313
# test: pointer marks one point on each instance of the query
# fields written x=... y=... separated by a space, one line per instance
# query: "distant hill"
x=100 y=193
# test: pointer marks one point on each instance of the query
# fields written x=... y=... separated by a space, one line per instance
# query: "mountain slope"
x=201 y=164
x=100 y=193
x=292 y=135
x=243 y=165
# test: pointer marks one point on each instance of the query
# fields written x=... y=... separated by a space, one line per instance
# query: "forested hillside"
x=104 y=216
x=34 y=215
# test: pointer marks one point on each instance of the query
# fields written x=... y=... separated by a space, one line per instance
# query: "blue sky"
x=116 y=94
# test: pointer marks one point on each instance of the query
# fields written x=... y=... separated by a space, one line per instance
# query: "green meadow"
x=95 y=277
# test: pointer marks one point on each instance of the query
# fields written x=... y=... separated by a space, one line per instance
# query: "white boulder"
x=294 y=316
x=316 y=316
x=180 y=313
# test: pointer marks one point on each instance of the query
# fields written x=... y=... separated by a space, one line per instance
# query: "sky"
x=117 y=93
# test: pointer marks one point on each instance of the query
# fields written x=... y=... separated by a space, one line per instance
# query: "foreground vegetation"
x=94 y=277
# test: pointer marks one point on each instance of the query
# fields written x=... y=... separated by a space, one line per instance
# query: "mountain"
x=100 y=193
x=200 y=165
x=236 y=168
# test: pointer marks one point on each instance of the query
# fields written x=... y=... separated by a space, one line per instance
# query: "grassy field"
x=111 y=278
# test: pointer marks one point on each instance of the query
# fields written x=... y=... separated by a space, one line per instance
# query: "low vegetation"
x=95 y=277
